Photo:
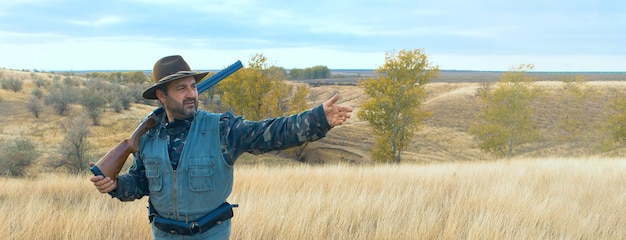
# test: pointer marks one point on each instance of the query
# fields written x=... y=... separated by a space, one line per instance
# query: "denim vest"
x=203 y=179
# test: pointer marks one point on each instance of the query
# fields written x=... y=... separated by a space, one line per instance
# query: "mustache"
x=189 y=100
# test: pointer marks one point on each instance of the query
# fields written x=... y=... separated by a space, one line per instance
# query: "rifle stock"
x=111 y=164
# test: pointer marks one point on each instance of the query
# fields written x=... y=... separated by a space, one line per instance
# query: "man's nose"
x=191 y=92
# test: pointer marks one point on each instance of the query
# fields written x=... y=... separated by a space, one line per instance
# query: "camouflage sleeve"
x=257 y=137
x=133 y=184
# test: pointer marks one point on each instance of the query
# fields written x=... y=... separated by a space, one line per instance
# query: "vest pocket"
x=155 y=180
x=201 y=174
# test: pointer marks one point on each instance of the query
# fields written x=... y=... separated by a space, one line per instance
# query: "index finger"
x=96 y=178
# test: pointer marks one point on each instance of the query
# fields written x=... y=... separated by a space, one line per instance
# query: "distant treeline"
x=317 y=72
x=138 y=77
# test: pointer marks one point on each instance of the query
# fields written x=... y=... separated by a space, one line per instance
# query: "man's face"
x=181 y=99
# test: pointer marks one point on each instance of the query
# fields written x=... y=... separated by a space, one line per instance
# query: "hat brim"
x=150 y=93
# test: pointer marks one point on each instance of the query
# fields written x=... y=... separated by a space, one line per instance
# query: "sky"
x=482 y=35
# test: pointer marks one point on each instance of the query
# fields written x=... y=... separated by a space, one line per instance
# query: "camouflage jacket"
x=237 y=136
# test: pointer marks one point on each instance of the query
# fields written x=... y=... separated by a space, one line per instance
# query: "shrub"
x=35 y=106
x=39 y=82
x=12 y=84
x=16 y=156
x=37 y=92
x=60 y=98
x=74 y=147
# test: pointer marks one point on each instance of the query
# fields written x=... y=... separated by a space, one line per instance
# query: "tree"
x=296 y=74
x=575 y=110
x=317 y=72
x=258 y=91
x=505 y=122
x=136 y=77
x=617 y=122
x=277 y=99
x=73 y=149
x=245 y=89
x=278 y=72
x=298 y=102
x=212 y=98
x=394 y=110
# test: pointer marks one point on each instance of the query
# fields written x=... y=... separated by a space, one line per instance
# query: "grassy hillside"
x=443 y=138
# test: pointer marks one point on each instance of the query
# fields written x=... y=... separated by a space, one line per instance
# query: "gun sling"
x=215 y=217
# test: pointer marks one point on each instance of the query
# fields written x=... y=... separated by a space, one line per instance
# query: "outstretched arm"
x=336 y=114
x=271 y=134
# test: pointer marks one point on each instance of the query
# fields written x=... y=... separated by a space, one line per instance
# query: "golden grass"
x=509 y=199
x=65 y=207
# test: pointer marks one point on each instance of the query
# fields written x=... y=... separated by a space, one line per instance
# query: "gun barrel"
x=205 y=85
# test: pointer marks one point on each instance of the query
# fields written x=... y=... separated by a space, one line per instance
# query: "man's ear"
x=160 y=95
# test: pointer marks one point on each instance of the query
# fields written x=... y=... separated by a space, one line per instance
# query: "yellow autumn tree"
x=616 y=124
x=259 y=91
x=576 y=119
x=505 y=121
x=298 y=102
x=394 y=109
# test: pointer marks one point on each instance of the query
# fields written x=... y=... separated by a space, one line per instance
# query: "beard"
x=189 y=107
x=182 y=110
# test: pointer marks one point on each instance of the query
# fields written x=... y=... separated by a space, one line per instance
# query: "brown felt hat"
x=168 y=69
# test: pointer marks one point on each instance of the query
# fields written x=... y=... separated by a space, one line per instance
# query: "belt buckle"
x=195 y=228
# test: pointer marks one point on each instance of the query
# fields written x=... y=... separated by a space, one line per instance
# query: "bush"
x=12 y=84
x=17 y=156
x=37 y=92
x=35 y=106
x=60 y=97
x=134 y=92
x=74 y=147
x=39 y=82
x=116 y=104
x=95 y=102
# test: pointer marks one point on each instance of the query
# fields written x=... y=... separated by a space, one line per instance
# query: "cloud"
x=102 y=21
x=26 y=38
x=310 y=30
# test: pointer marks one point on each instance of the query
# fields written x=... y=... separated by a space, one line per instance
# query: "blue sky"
x=554 y=35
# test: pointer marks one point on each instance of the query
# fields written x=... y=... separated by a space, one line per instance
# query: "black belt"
x=215 y=217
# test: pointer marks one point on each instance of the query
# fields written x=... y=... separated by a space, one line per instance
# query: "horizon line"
x=335 y=69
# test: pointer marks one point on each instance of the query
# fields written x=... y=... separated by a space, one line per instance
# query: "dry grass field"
x=512 y=199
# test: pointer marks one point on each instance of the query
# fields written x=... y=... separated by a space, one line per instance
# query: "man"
x=185 y=163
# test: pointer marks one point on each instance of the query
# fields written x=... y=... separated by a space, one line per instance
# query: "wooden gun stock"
x=111 y=164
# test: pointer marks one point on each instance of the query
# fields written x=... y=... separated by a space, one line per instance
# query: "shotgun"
x=111 y=164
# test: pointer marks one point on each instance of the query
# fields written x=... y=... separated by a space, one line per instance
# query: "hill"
x=351 y=76
x=443 y=138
